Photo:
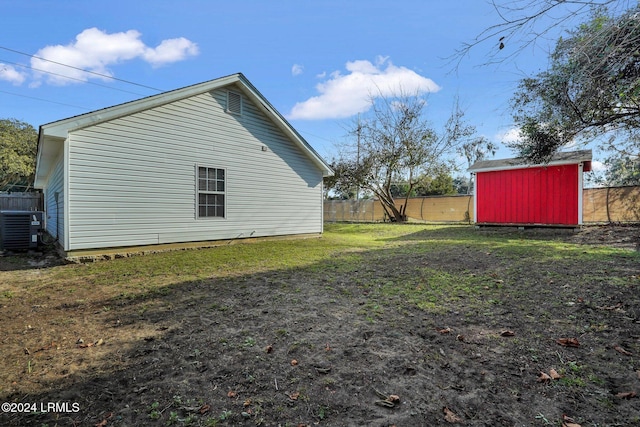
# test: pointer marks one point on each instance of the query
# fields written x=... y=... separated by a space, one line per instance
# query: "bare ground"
x=302 y=348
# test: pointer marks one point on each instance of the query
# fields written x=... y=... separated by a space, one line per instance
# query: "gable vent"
x=234 y=103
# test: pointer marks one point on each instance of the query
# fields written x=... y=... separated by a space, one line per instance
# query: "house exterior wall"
x=132 y=180
x=54 y=209
x=549 y=195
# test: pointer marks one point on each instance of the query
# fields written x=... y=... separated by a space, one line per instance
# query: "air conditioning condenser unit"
x=20 y=229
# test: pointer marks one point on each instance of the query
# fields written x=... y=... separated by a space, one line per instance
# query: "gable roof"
x=563 y=158
x=52 y=134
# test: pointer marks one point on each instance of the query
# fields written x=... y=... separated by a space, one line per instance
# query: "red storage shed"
x=510 y=192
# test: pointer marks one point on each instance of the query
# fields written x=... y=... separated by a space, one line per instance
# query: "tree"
x=18 y=148
x=440 y=184
x=524 y=23
x=474 y=150
x=397 y=144
x=591 y=91
x=621 y=171
x=461 y=184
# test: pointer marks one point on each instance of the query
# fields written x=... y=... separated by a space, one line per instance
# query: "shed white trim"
x=564 y=158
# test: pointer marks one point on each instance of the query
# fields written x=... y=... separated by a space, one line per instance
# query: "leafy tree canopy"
x=18 y=148
x=591 y=91
x=620 y=171
x=439 y=184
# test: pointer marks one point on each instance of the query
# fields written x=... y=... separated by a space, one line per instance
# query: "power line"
x=70 y=78
x=81 y=69
x=44 y=100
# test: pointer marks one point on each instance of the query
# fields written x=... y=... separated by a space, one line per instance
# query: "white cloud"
x=344 y=95
x=597 y=166
x=511 y=135
x=515 y=135
x=95 y=50
x=297 y=69
x=11 y=75
x=171 y=50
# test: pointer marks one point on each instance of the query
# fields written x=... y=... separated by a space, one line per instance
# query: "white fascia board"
x=525 y=166
x=61 y=128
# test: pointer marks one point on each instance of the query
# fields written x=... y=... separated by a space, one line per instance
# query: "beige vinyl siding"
x=132 y=180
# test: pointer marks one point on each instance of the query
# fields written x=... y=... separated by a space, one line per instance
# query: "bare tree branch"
x=523 y=23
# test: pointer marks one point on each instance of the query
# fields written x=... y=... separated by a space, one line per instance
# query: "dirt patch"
x=330 y=345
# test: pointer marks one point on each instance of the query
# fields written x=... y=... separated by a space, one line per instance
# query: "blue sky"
x=314 y=61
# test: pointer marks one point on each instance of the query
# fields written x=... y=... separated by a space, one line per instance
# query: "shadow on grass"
x=221 y=351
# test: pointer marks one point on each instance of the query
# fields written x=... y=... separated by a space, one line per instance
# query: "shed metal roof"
x=562 y=158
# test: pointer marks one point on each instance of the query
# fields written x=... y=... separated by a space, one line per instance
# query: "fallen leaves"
x=543 y=377
x=82 y=344
x=51 y=346
x=293 y=396
x=610 y=307
x=621 y=350
x=450 y=416
x=627 y=395
x=387 y=400
x=105 y=420
x=568 y=342
x=569 y=422
x=552 y=375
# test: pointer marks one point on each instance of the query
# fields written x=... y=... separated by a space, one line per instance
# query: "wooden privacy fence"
x=613 y=204
x=21 y=202
x=431 y=209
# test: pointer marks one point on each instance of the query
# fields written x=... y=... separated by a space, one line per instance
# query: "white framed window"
x=234 y=103
x=211 y=192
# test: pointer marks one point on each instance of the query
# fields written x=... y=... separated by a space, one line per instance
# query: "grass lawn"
x=458 y=323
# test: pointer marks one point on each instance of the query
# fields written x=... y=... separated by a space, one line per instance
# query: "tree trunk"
x=387 y=202
x=394 y=213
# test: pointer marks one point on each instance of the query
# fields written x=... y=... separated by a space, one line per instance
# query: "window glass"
x=211 y=197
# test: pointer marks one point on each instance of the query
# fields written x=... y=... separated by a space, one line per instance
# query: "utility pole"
x=358 y=129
